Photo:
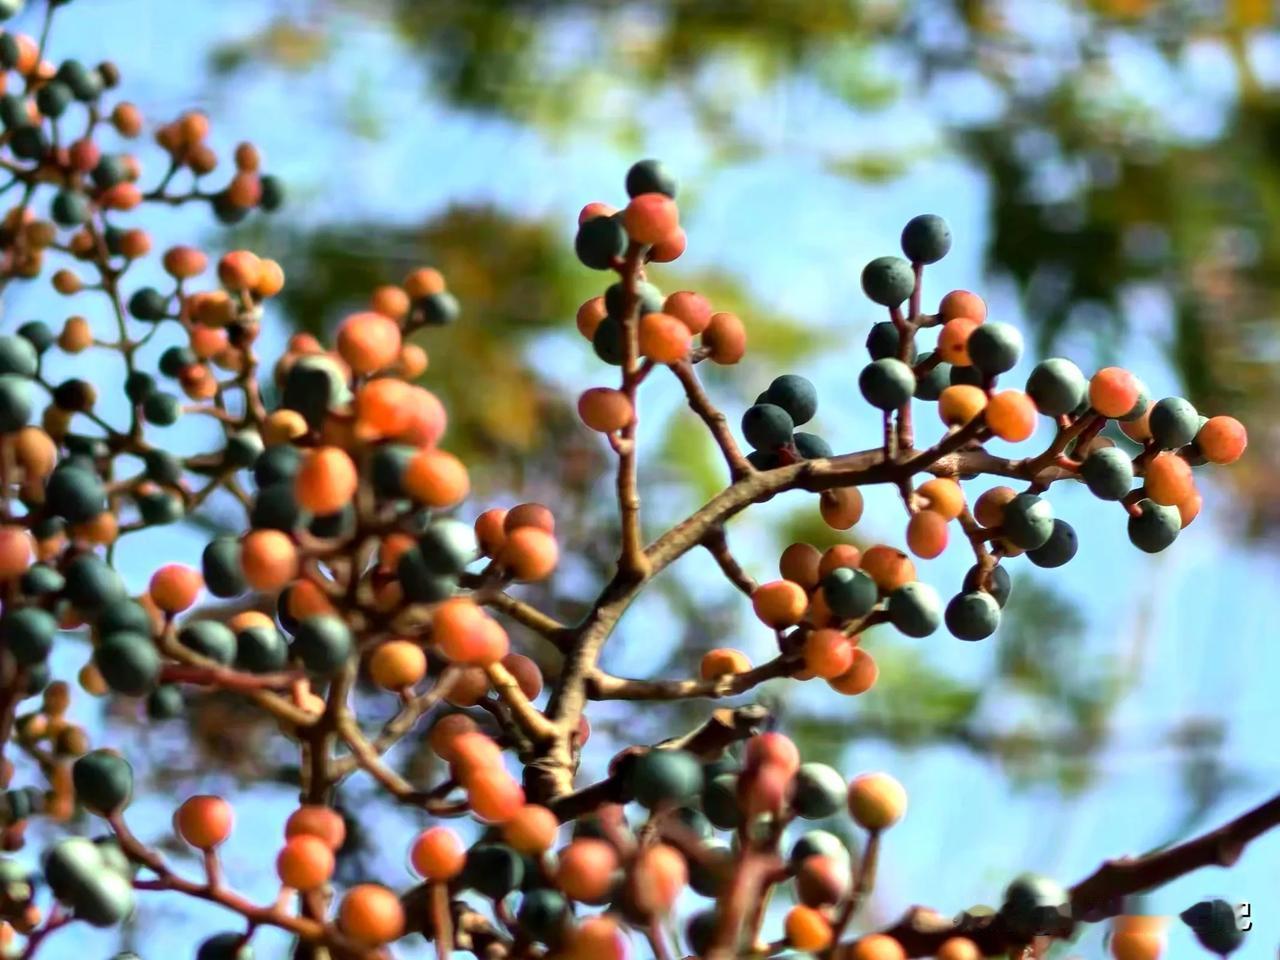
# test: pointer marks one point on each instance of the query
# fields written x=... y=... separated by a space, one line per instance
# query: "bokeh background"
x=1111 y=173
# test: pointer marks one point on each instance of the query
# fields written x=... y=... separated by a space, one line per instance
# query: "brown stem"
x=632 y=563
x=717 y=544
x=713 y=418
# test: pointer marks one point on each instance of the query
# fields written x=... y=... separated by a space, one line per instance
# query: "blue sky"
x=799 y=237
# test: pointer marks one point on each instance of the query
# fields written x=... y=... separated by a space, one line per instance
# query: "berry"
x=1035 y=905
x=1028 y=521
x=887 y=384
x=876 y=801
x=810 y=446
x=888 y=280
x=220 y=566
x=664 y=777
x=929 y=386
x=767 y=426
x=1222 y=439
x=849 y=593
x=819 y=791
x=225 y=946
x=543 y=914
x=819 y=843
x=1113 y=392
x=599 y=242
x=28 y=634
x=323 y=644
x=650 y=176
x=128 y=662
x=103 y=781
x=995 y=347
x=796 y=395
x=926 y=238
x=209 y=639
x=1058 y=549
x=1173 y=422
x=1155 y=526
x=915 y=609
x=973 y=616
x=998 y=582
x=1215 y=925
x=884 y=340
x=1108 y=473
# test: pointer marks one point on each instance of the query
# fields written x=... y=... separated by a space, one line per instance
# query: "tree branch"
x=717 y=544
x=715 y=420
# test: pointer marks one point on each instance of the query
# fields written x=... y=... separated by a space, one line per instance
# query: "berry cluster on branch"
x=355 y=534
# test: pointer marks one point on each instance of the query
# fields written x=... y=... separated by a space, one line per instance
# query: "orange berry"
x=305 y=863
x=773 y=749
x=953 y=341
x=1012 y=415
x=469 y=688
x=203 y=821
x=604 y=409
x=438 y=854
x=530 y=515
x=326 y=481
x=828 y=653
x=15 y=552
x=841 y=508
x=247 y=157
x=1222 y=439
x=269 y=559
x=183 y=263
x=135 y=244
x=1113 y=391
x=664 y=251
x=436 y=478
x=663 y=338
x=943 y=496
x=1189 y=508
x=1169 y=480
x=313 y=820
x=127 y=119
x=960 y=403
x=527 y=674
x=413 y=361
x=426 y=418
x=76 y=335
x=721 y=662
x=691 y=309
x=270 y=279
x=489 y=531
x=593 y=210
x=989 y=508
x=597 y=938
x=371 y=914
x=780 y=603
x=651 y=218
x=877 y=946
x=958 y=948
x=174 y=587
x=876 y=801
x=369 y=341
x=532 y=830
x=585 y=870
x=927 y=534
x=859 y=678
x=807 y=929
x=800 y=563
x=445 y=730
x=888 y=566
x=397 y=665
x=590 y=315
x=423 y=282
x=839 y=555
x=239 y=270
x=660 y=874
x=381 y=408
x=494 y=794
x=962 y=303
x=725 y=339
x=529 y=553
